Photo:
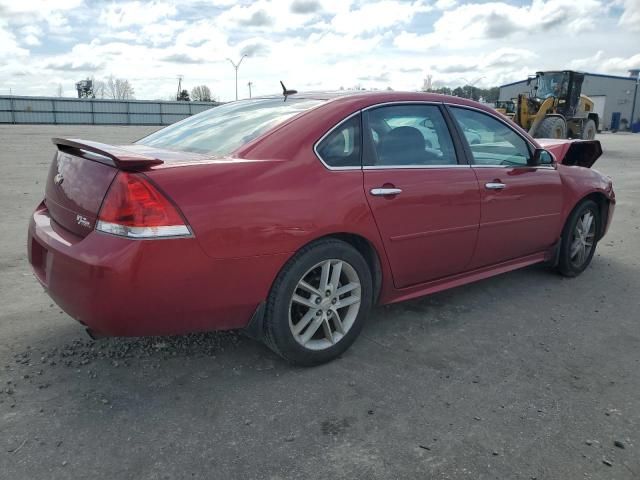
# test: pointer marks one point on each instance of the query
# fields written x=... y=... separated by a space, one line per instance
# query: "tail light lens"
x=134 y=208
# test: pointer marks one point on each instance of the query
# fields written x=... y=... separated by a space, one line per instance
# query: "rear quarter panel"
x=252 y=208
x=275 y=196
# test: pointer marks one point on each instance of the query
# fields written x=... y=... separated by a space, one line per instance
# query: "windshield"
x=223 y=129
x=552 y=85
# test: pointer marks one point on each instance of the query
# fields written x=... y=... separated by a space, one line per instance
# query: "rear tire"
x=308 y=320
x=552 y=127
x=589 y=130
x=579 y=239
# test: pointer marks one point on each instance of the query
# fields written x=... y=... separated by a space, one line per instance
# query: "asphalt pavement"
x=525 y=375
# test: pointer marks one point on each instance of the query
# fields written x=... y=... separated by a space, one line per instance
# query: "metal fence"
x=55 y=110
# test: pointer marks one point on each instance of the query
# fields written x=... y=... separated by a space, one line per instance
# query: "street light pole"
x=236 y=66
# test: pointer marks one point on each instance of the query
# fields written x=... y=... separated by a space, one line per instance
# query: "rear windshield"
x=223 y=129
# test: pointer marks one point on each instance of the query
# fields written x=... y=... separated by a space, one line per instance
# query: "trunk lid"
x=79 y=177
x=581 y=153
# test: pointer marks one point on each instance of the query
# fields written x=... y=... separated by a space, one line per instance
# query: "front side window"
x=341 y=148
x=410 y=135
x=491 y=141
x=223 y=129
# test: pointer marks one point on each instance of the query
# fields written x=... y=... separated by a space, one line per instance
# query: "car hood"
x=581 y=153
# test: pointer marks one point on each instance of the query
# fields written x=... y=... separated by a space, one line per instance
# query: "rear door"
x=521 y=204
x=426 y=204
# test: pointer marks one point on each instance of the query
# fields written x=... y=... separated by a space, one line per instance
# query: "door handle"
x=494 y=186
x=381 y=192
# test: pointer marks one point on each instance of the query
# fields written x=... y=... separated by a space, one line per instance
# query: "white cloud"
x=616 y=65
x=490 y=22
x=377 y=16
x=122 y=15
x=30 y=35
x=9 y=47
x=36 y=7
x=630 y=17
x=445 y=4
x=262 y=15
x=310 y=44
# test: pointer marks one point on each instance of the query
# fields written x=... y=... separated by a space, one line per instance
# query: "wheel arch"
x=603 y=205
x=364 y=246
x=367 y=250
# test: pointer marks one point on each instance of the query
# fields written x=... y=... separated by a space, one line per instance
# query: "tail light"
x=134 y=208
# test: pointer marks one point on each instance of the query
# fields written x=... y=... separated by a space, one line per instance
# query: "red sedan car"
x=290 y=217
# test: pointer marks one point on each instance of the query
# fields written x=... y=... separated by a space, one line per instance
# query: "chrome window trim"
x=329 y=132
x=428 y=167
x=402 y=102
x=412 y=167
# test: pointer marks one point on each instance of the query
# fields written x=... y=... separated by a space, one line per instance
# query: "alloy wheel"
x=582 y=239
x=325 y=304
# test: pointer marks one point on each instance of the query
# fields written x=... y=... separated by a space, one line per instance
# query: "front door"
x=521 y=204
x=426 y=205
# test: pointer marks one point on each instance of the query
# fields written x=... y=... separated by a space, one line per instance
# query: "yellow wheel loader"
x=556 y=108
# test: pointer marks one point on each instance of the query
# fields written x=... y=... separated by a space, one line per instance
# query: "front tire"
x=552 y=127
x=579 y=239
x=318 y=303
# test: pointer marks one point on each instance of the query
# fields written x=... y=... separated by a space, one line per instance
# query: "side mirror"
x=542 y=157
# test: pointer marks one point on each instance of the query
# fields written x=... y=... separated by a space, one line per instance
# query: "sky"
x=309 y=44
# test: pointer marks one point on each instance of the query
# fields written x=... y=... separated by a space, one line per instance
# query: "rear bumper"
x=122 y=287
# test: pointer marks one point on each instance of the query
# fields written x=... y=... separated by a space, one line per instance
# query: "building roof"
x=587 y=74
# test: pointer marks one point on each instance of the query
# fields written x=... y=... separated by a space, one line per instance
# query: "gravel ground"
x=526 y=375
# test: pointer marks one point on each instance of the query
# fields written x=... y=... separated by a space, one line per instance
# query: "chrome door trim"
x=543 y=167
x=412 y=167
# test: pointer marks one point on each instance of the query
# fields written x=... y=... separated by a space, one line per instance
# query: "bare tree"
x=201 y=93
x=118 y=89
x=98 y=88
x=59 y=90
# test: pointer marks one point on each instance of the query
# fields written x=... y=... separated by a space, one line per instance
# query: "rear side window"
x=410 y=135
x=341 y=148
x=223 y=129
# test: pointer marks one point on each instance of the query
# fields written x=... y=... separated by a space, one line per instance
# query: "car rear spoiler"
x=581 y=153
x=108 y=154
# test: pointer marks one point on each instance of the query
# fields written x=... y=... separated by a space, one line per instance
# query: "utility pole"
x=250 y=84
x=179 y=87
x=236 y=66
x=471 y=84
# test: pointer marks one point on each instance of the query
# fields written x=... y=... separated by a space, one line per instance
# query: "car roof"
x=376 y=96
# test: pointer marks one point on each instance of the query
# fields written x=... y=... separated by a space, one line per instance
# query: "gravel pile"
x=79 y=353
